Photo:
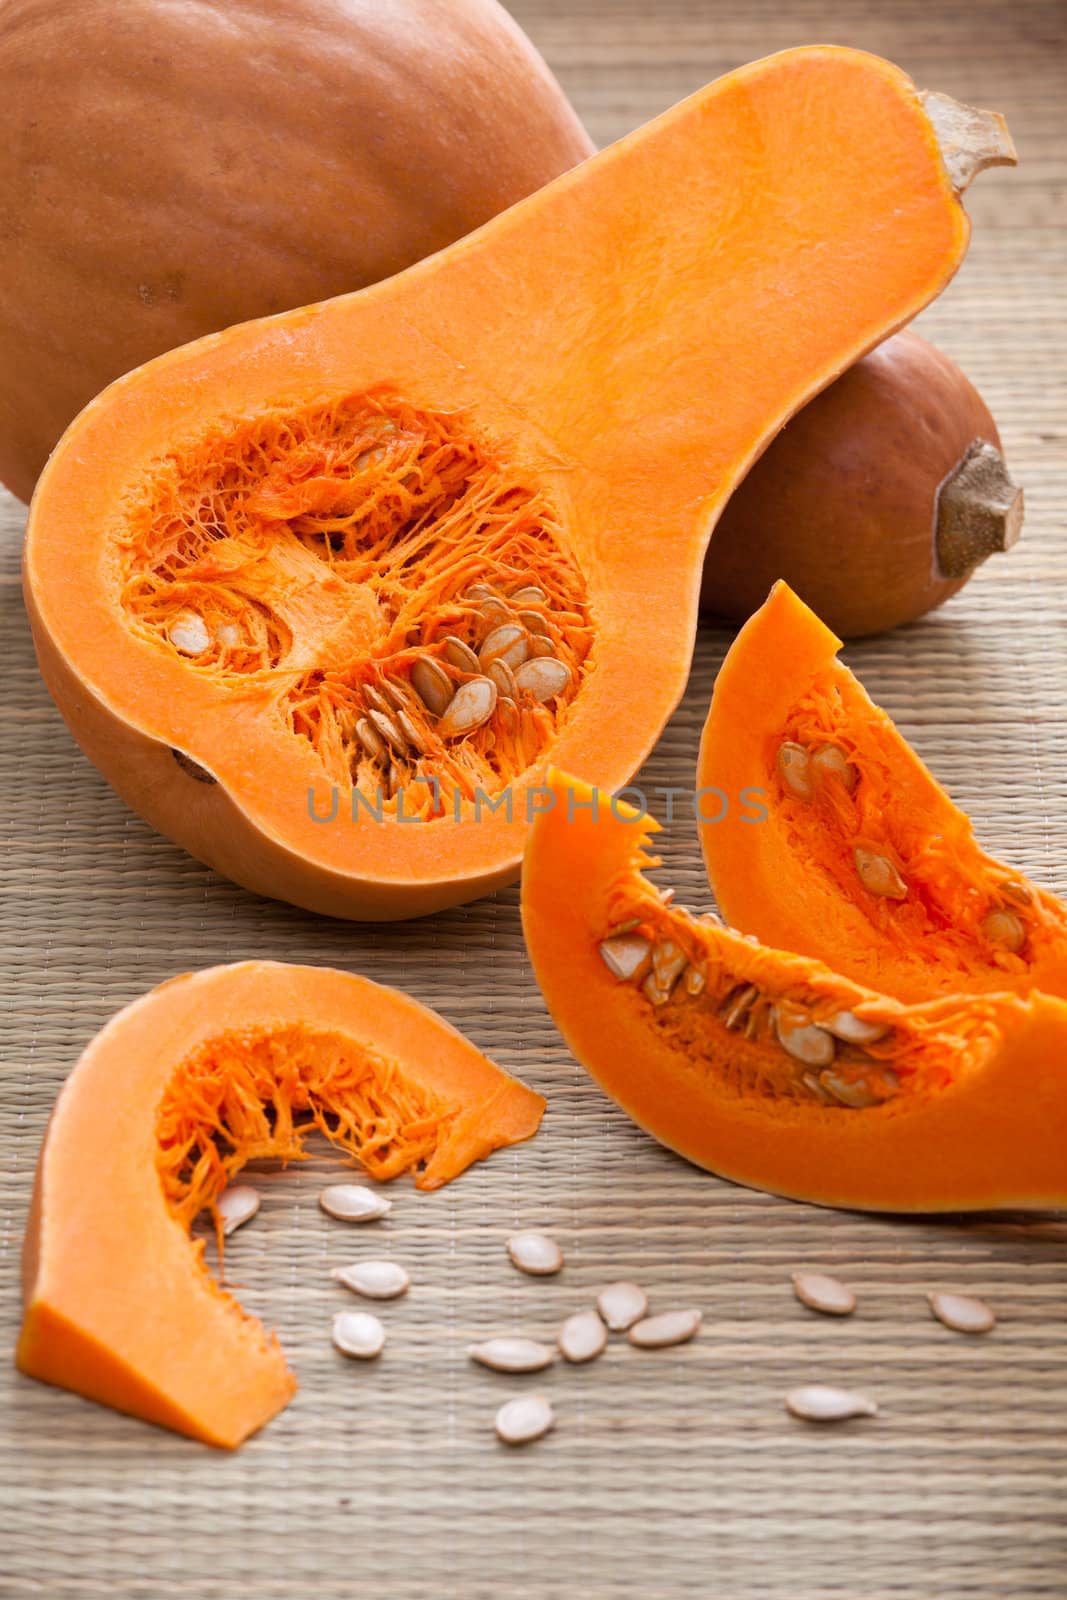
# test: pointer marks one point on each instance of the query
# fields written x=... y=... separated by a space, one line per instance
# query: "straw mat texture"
x=670 y=1474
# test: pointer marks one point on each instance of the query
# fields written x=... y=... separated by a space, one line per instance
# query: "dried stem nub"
x=979 y=510
x=970 y=139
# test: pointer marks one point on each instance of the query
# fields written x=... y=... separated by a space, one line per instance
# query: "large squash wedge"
x=167 y=1103
x=380 y=559
x=862 y=859
x=770 y=1069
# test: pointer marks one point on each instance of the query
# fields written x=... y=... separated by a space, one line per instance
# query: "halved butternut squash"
x=770 y=1069
x=169 y=1100
x=376 y=561
x=861 y=860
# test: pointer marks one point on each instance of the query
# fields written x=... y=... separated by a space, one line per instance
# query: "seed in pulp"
x=432 y=684
x=822 y=1293
x=962 y=1312
x=845 y=1025
x=830 y=761
x=188 y=633
x=528 y=595
x=738 y=1006
x=358 y=1334
x=522 y=1420
x=816 y=1402
x=503 y=677
x=236 y=1205
x=853 y=1092
x=506 y=643
x=582 y=1337
x=460 y=655
x=804 y=1041
x=625 y=955
x=1004 y=928
x=389 y=731
x=543 y=678
x=374 y=1280
x=878 y=875
x=535 y=1253
x=794 y=768
x=669 y=1327
x=695 y=980
x=512 y=1355
x=352 y=1202
x=370 y=738
x=621 y=1305
x=472 y=704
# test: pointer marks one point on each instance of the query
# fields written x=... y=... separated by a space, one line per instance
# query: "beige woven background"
x=672 y=1474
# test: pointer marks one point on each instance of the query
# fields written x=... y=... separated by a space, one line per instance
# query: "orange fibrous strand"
x=952 y=885
x=316 y=554
x=256 y=1096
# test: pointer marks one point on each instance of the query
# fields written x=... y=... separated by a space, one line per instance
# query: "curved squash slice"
x=769 y=1068
x=379 y=560
x=863 y=860
x=170 y=1099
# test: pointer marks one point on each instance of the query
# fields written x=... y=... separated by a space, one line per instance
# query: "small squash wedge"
x=379 y=560
x=169 y=1100
x=768 y=1068
x=862 y=860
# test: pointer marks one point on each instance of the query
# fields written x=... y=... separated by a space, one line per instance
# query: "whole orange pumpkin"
x=168 y=169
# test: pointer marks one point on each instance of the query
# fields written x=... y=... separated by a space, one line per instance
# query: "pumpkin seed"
x=962 y=1312
x=529 y=595
x=1005 y=929
x=820 y=1292
x=804 y=1041
x=532 y=621
x=236 y=1205
x=669 y=1327
x=830 y=761
x=621 y=1305
x=374 y=1280
x=459 y=654
x=512 y=1355
x=374 y=697
x=535 y=1253
x=655 y=991
x=816 y=1402
x=352 y=1202
x=525 y=1419
x=845 y=1025
x=479 y=591
x=507 y=643
x=1017 y=893
x=389 y=731
x=432 y=684
x=794 y=768
x=411 y=733
x=668 y=963
x=494 y=610
x=879 y=876
x=811 y=1082
x=189 y=634
x=625 y=954
x=358 y=1334
x=503 y=677
x=582 y=1337
x=738 y=1005
x=853 y=1092
x=508 y=712
x=370 y=739
x=545 y=677
x=228 y=634
x=393 y=694
x=472 y=705
x=695 y=980
x=541 y=647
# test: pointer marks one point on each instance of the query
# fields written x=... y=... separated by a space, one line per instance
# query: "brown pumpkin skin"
x=203 y=165
x=843 y=504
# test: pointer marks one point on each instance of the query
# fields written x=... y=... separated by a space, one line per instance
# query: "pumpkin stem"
x=979 y=510
x=970 y=139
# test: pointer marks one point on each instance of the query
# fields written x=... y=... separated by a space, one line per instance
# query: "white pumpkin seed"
x=532 y=621
x=669 y=1327
x=374 y=697
x=389 y=731
x=189 y=634
x=358 y=1334
x=879 y=876
x=494 y=610
x=655 y=991
x=352 y=1202
x=541 y=647
x=459 y=654
x=479 y=591
x=794 y=768
x=961 y=1312
x=370 y=738
x=374 y=1280
x=228 y=634
x=236 y=1205
x=544 y=678
x=621 y=1305
x=822 y=1293
x=512 y=1355
x=472 y=705
x=845 y=1025
x=528 y=595
x=582 y=1337
x=432 y=684
x=535 y=1253
x=503 y=677
x=525 y=1419
x=668 y=963
x=830 y=761
x=738 y=1006
x=695 y=980
x=506 y=643
x=815 y=1402
x=411 y=733
x=625 y=955
x=1004 y=928
x=804 y=1041
x=855 y=1093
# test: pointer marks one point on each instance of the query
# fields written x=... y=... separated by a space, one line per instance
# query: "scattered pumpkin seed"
x=878 y=875
x=189 y=634
x=625 y=954
x=352 y=1202
x=544 y=677
x=374 y=1280
x=522 y=1420
x=961 y=1312
x=820 y=1292
x=237 y=1205
x=815 y=1402
x=621 y=1305
x=358 y=1334
x=512 y=1355
x=535 y=1253
x=472 y=704
x=1004 y=928
x=805 y=1042
x=668 y=1327
x=582 y=1337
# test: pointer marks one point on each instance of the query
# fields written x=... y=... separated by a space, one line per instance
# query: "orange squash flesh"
x=957 y=920
x=171 y=1099
x=966 y=1102
x=560 y=402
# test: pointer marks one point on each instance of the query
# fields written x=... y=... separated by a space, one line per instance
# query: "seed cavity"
x=582 y=1337
x=374 y=1280
x=815 y=1402
x=621 y=1305
x=535 y=1253
x=667 y=1328
x=353 y=1202
x=512 y=1355
x=820 y=1292
x=358 y=1334
x=961 y=1312
x=878 y=875
x=522 y=1420
x=237 y=1205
